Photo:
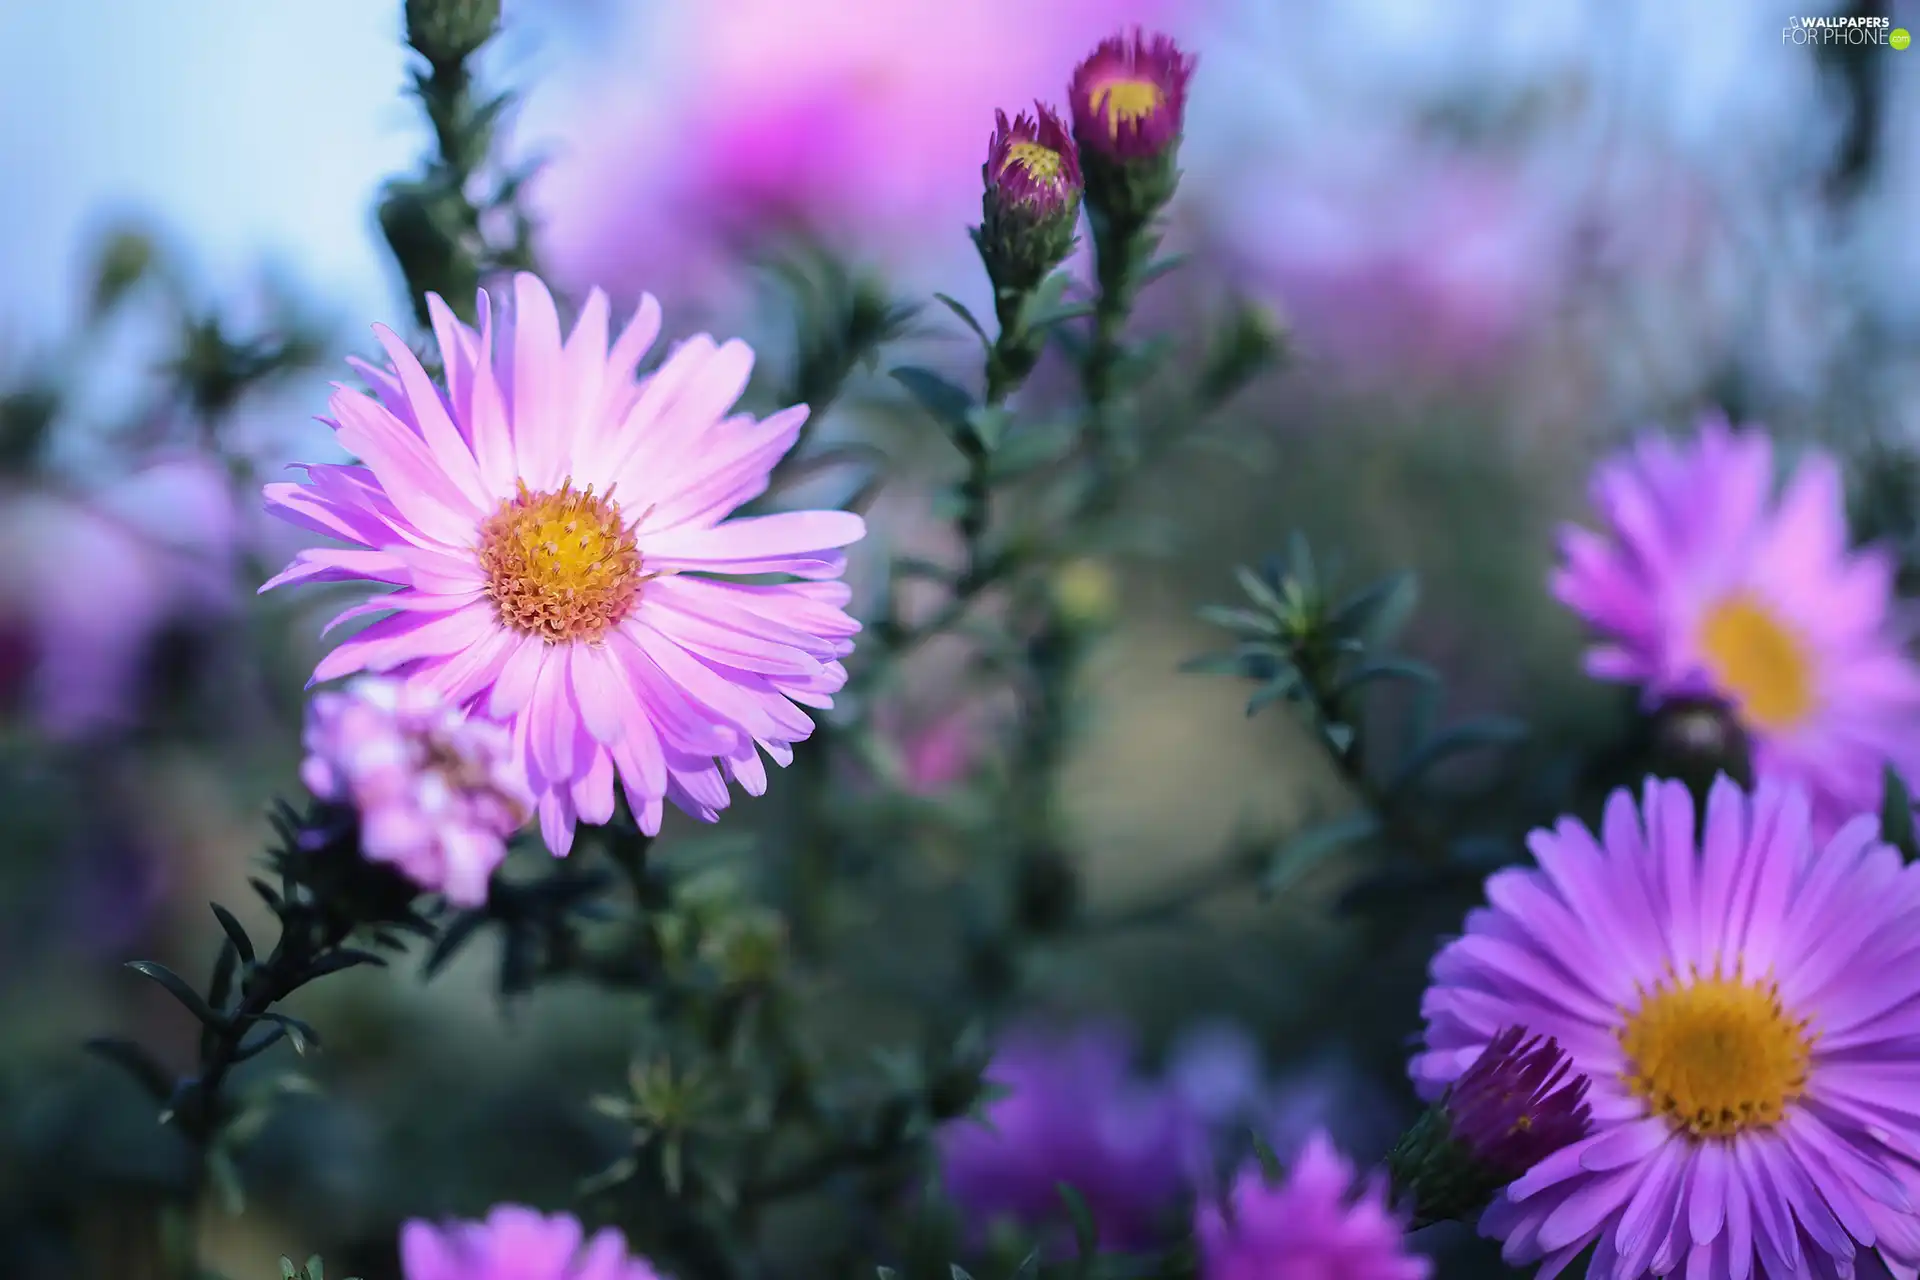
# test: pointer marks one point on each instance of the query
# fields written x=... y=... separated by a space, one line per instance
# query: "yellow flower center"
x=1716 y=1055
x=1042 y=164
x=563 y=565
x=1123 y=100
x=1759 y=660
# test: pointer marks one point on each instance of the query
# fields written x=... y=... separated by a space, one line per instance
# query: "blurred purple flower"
x=856 y=121
x=1074 y=1112
x=1314 y=1225
x=1391 y=260
x=438 y=793
x=89 y=582
x=517 y=1244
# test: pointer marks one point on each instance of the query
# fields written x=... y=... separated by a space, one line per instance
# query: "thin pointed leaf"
x=1259 y=591
x=241 y=942
x=253 y=1048
x=1300 y=563
x=944 y=402
x=1271 y=1169
x=220 y=985
x=1314 y=846
x=1406 y=669
x=300 y=1034
x=966 y=317
x=1238 y=621
x=180 y=990
x=1379 y=613
x=451 y=941
x=344 y=958
x=1481 y=734
x=136 y=1062
x=1153 y=271
x=1086 y=1236
x=1896 y=815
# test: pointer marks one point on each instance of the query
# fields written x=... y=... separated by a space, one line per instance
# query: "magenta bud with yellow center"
x=1129 y=97
x=1033 y=164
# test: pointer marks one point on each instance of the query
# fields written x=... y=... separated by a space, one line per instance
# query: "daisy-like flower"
x=1129 y=97
x=1743 y=1002
x=1316 y=1222
x=1704 y=586
x=517 y=1244
x=557 y=536
x=437 y=793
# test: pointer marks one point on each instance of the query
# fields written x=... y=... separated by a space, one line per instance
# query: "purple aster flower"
x=517 y=1244
x=1743 y=999
x=1072 y=1111
x=1314 y=1225
x=1130 y=97
x=1705 y=586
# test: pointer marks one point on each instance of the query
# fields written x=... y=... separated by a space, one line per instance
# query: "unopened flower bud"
x=1032 y=200
x=1129 y=103
x=448 y=32
x=1519 y=1102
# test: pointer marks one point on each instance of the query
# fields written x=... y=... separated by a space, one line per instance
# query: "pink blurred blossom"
x=1403 y=260
x=89 y=581
x=859 y=121
x=438 y=793
x=517 y=1244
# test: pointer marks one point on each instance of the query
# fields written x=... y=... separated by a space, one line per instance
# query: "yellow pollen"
x=1716 y=1055
x=1123 y=100
x=563 y=565
x=1042 y=164
x=1759 y=661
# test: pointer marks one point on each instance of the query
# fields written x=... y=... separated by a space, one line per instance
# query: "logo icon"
x=1899 y=38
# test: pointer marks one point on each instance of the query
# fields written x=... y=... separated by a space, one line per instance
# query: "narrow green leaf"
x=1377 y=614
x=1314 y=846
x=966 y=317
x=1153 y=271
x=1240 y=621
x=300 y=1034
x=1086 y=1236
x=136 y=1062
x=1896 y=816
x=344 y=958
x=179 y=989
x=1406 y=669
x=1046 y=307
x=1482 y=734
x=944 y=402
x=1271 y=1169
x=1300 y=564
x=988 y=424
x=1259 y=591
x=241 y=942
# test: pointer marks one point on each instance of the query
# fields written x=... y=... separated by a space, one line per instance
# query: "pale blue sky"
x=248 y=127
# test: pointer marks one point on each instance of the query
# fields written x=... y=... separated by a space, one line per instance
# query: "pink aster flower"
x=557 y=538
x=1704 y=586
x=517 y=1244
x=437 y=793
x=1314 y=1224
x=1129 y=98
x=1742 y=999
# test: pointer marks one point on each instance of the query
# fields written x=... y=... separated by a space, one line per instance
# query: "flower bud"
x=1129 y=102
x=1032 y=200
x=1516 y=1105
x=448 y=32
x=1085 y=594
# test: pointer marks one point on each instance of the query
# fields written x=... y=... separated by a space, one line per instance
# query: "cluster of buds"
x=1519 y=1102
x=1128 y=109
